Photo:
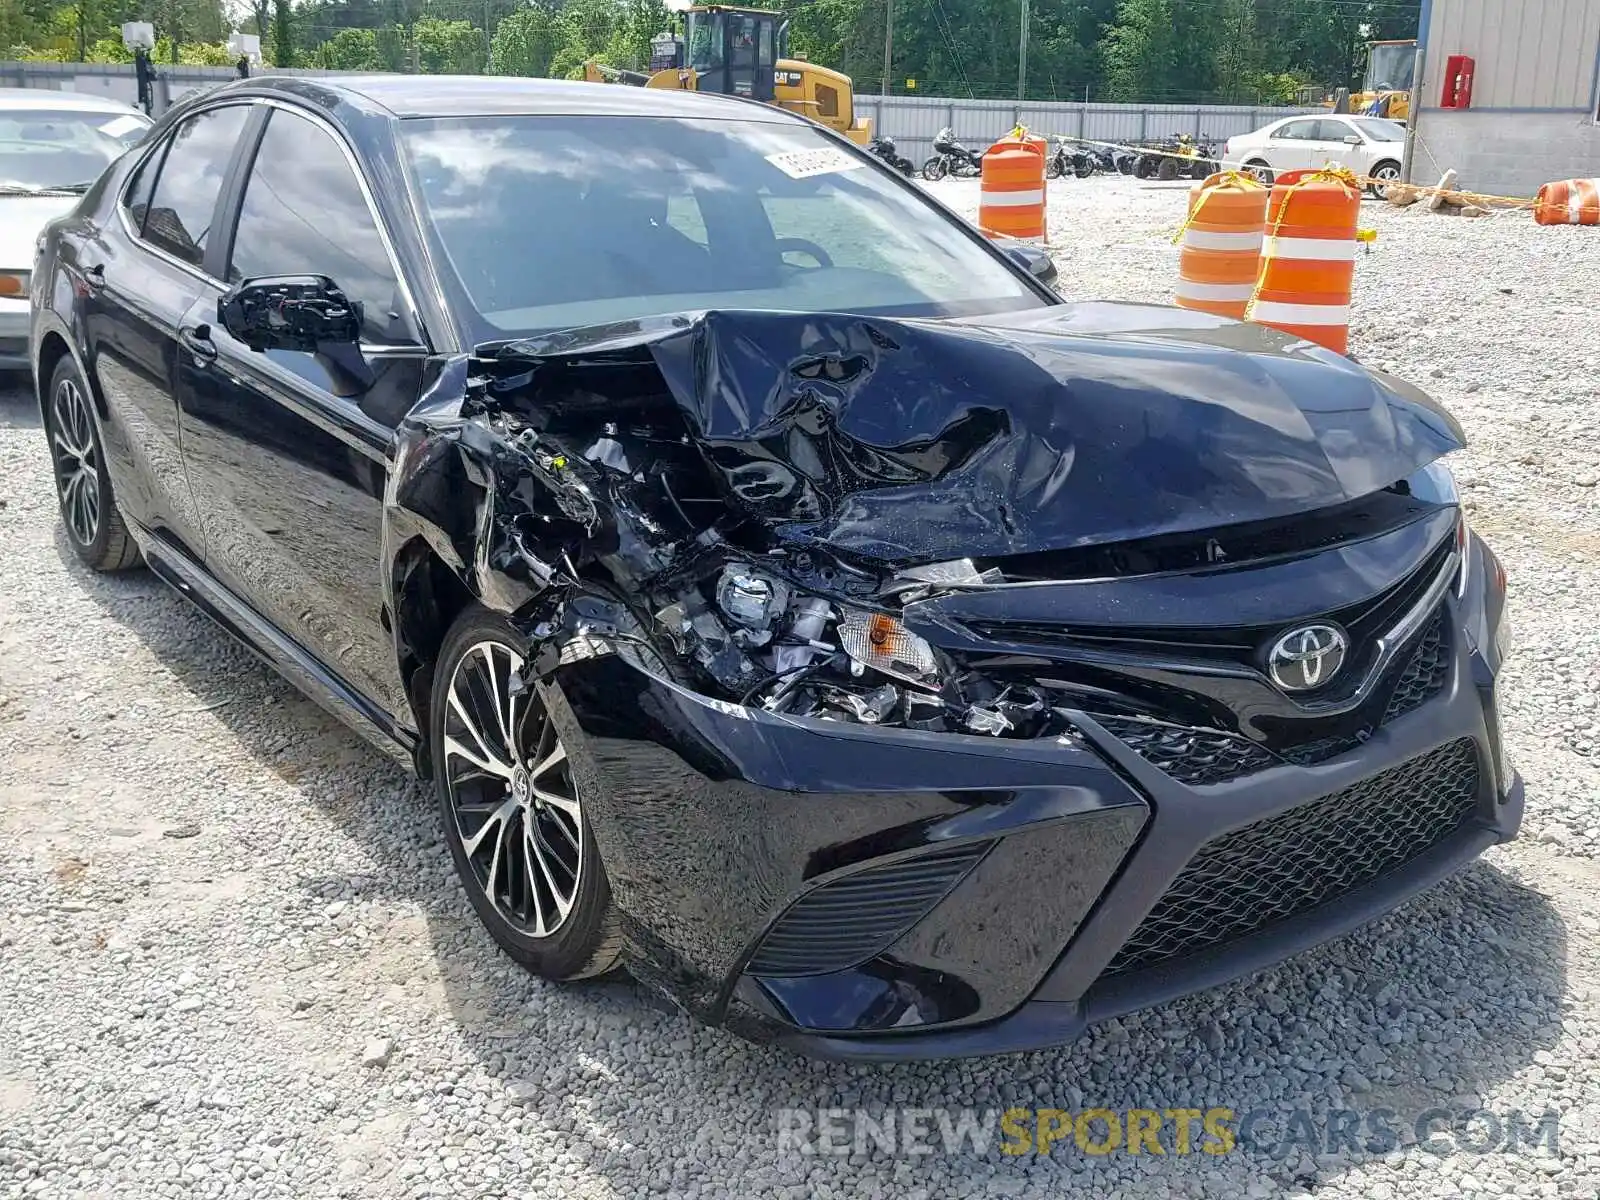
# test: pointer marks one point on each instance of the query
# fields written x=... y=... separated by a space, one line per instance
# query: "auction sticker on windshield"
x=801 y=164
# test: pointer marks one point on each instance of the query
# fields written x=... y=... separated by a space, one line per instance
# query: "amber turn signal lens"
x=13 y=283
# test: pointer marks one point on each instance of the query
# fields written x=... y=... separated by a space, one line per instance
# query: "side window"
x=1298 y=131
x=186 y=190
x=1333 y=131
x=137 y=198
x=304 y=214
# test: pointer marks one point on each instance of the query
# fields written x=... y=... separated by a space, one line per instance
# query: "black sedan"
x=787 y=595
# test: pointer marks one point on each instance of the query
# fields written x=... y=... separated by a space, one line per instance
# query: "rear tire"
x=1144 y=167
x=1167 y=169
x=510 y=810
x=95 y=529
x=1387 y=172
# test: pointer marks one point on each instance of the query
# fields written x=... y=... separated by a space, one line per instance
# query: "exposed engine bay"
x=758 y=505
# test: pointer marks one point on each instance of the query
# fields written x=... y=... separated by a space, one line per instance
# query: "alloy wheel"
x=77 y=465
x=511 y=792
x=1385 y=175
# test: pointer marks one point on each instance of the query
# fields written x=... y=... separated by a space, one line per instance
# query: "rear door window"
x=183 y=202
x=1298 y=131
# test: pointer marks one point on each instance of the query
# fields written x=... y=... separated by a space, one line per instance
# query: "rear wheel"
x=1082 y=168
x=510 y=808
x=95 y=528
x=934 y=169
x=1167 y=169
x=1384 y=174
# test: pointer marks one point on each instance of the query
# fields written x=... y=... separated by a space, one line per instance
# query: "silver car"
x=53 y=146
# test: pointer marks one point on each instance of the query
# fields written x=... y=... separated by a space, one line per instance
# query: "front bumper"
x=14 y=319
x=887 y=894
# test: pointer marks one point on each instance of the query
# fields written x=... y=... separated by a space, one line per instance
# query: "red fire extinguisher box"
x=1457 y=91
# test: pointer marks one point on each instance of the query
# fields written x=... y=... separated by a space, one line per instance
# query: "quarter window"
x=304 y=213
x=184 y=199
x=139 y=189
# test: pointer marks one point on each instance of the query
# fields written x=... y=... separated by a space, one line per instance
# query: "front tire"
x=510 y=810
x=1263 y=173
x=1167 y=169
x=934 y=169
x=95 y=529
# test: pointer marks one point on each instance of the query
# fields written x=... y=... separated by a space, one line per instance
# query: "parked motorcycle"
x=1064 y=159
x=950 y=157
x=884 y=148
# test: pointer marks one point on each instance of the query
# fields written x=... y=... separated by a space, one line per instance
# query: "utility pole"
x=488 y=48
x=1022 y=55
x=888 y=46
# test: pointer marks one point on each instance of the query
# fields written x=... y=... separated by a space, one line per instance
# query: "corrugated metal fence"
x=116 y=80
x=911 y=120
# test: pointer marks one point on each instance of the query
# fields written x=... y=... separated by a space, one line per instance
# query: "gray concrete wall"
x=1507 y=154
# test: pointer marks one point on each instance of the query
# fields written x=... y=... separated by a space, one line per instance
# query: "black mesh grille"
x=1192 y=756
x=851 y=919
x=1425 y=673
x=1301 y=859
x=1201 y=756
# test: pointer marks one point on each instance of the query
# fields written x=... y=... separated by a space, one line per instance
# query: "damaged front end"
x=752 y=501
x=863 y=633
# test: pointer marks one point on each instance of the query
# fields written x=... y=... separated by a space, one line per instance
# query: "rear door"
x=139 y=287
x=1331 y=147
x=289 y=454
x=1291 y=145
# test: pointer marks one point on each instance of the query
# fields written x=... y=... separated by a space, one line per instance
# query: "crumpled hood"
x=912 y=440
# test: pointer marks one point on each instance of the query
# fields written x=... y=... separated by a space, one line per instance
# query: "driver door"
x=288 y=455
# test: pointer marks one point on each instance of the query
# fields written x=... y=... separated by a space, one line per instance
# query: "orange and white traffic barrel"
x=1011 y=199
x=1569 y=202
x=1222 y=244
x=1308 y=256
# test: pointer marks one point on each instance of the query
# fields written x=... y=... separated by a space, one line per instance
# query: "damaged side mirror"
x=1034 y=261
x=290 y=312
x=307 y=313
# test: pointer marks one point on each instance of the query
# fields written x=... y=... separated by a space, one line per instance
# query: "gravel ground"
x=233 y=961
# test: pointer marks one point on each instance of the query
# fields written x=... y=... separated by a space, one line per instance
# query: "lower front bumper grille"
x=849 y=920
x=1301 y=859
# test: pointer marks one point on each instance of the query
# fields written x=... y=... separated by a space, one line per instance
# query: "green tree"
x=282 y=34
x=525 y=42
x=350 y=50
x=448 y=47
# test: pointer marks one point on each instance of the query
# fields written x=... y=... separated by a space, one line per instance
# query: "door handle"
x=197 y=341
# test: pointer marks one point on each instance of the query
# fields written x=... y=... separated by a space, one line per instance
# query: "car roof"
x=498 y=95
x=14 y=97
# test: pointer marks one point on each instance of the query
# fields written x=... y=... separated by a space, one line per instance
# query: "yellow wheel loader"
x=1386 y=90
x=744 y=52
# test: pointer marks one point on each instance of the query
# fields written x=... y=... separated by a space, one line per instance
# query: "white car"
x=1369 y=146
x=53 y=145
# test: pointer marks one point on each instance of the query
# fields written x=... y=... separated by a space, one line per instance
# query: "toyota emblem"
x=1307 y=657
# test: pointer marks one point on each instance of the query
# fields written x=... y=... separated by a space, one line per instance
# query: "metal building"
x=1535 y=93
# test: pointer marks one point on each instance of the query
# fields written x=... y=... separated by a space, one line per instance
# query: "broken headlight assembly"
x=772 y=645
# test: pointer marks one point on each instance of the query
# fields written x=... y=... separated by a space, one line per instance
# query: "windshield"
x=1390 y=65
x=1379 y=129
x=42 y=148
x=556 y=222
